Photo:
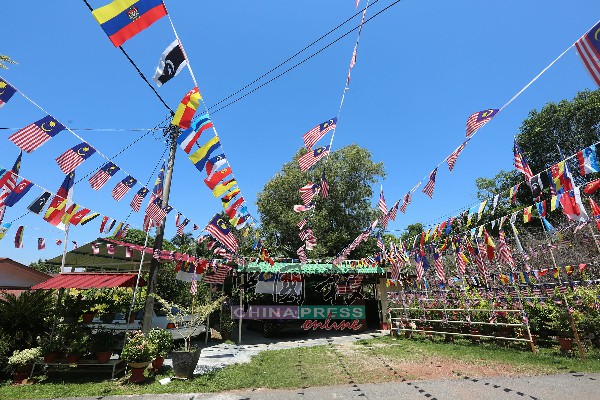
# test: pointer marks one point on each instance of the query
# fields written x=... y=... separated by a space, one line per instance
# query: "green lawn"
x=376 y=360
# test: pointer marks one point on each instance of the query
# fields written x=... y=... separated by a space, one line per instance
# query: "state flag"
x=187 y=108
x=41 y=243
x=38 y=205
x=588 y=163
x=123 y=19
x=201 y=156
x=478 y=119
x=312 y=157
x=217 y=177
x=595 y=211
x=79 y=215
x=18 y=192
x=58 y=206
x=224 y=187
x=231 y=210
x=36 y=134
x=6 y=92
x=226 y=200
x=123 y=187
x=171 y=62
x=4 y=228
x=73 y=157
x=190 y=136
x=215 y=164
x=19 y=237
x=103 y=175
x=89 y=218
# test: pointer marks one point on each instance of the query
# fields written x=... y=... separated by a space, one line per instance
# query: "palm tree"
x=5 y=59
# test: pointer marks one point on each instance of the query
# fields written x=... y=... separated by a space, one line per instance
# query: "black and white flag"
x=171 y=62
x=38 y=205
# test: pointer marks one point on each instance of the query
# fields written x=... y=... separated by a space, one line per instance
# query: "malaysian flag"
x=36 y=134
x=302 y=222
x=394 y=211
x=588 y=48
x=73 y=157
x=419 y=269
x=315 y=134
x=110 y=249
x=155 y=212
x=302 y=208
x=8 y=184
x=428 y=189
x=136 y=202
x=103 y=175
x=324 y=185
x=439 y=267
x=41 y=243
x=461 y=261
x=194 y=285
x=219 y=230
x=216 y=275
x=478 y=119
x=348 y=285
x=302 y=254
x=381 y=204
x=312 y=157
x=405 y=201
x=451 y=160
x=307 y=192
x=6 y=92
x=181 y=227
x=380 y=243
x=123 y=187
x=504 y=254
x=521 y=163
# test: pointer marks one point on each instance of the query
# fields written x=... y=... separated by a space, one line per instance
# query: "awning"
x=84 y=280
x=310 y=268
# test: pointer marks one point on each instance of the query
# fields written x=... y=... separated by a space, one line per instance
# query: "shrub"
x=162 y=340
x=138 y=348
x=21 y=358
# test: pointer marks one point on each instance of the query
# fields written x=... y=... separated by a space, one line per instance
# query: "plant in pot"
x=562 y=326
x=186 y=358
x=22 y=361
x=103 y=342
x=225 y=325
x=138 y=351
x=52 y=346
x=163 y=341
x=78 y=346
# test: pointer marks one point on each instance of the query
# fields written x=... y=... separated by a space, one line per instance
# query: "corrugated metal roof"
x=309 y=268
x=84 y=280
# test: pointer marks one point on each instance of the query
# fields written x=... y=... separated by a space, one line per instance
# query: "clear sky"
x=423 y=67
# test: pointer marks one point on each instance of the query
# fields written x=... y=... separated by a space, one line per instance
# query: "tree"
x=337 y=220
x=570 y=125
x=5 y=59
x=410 y=232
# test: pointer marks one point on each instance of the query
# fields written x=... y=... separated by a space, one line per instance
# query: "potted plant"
x=562 y=326
x=225 y=325
x=138 y=352
x=103 y=342
x=186 y=358
x=22 y=361
x=78 y=346
x=51 y=347
x=163 y=341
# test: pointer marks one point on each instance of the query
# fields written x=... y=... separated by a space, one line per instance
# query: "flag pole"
x=241 y=305
x=138 y=278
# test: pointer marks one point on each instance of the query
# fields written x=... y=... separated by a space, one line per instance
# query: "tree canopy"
x=337 y=219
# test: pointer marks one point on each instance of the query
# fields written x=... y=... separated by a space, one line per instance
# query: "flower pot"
x=449 y=338
x=108 y=317
x=132 y=318
x=103 y=356
x=158 y=362
x=51 y=356
x=384 y=326
x=566 y=344
x=408 y=334
x=475 y=339
x=73 y=358
x=428 y=331
x=184 y=363
x=534 y=339
x=87 y=317
x=137 y=371
x=20 y=376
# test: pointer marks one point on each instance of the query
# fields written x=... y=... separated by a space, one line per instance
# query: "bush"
x=21 y=358
x=103 y=340
x=162 y=340
x=138 y=348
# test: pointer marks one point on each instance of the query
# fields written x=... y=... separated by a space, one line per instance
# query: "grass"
x=364 y=361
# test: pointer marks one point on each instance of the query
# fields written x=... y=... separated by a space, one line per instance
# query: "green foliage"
x=6 y=59
x=337 y=220
x=25 y=317
x=102 y=340
x=138 y=348
x=162 y=340
x=411 y=231
x=52 y=343
x=41 y=266
x=24 y=357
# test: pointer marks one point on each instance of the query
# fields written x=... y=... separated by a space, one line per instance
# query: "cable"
x=303 y=61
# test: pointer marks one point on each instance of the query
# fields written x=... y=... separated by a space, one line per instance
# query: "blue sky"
x=422 y=69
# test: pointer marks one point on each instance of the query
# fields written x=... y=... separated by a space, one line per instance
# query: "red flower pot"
x=103 y=356
x=566 y=344
x=137 y=371
x=51 y=357
x=73 y=358
x=87 y=317
x=158 y=362
x=19 y=377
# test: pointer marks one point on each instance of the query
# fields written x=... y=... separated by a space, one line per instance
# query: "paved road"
x=547 y=387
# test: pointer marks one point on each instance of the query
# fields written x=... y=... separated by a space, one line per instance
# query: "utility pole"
x=171 y=133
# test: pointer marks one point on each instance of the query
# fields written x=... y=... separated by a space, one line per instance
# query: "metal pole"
x=137 y=282
x=241 y=305
x=173 y=132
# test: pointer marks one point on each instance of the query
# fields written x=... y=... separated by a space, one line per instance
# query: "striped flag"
x=73 y=157
x=478 y=119
x=454 y=156
x=405 y=202
x=315 y=134
x=307 y=192
x=123 y=187
x=194 y=285
x=6 y=92
x=219 y=230
x=19 y=237
x=36 y=134
x=439 y=267
x=394 y=211
x=380 y=243
x=381 y=204
x=504 y=254
x=302 y=208
x=155 y=212
x=216 y=275
x=324 y=185
x=136 y=202
x=302 y=255
x=182 y=226
x=312 y=157
x=41 y=243
x=419 y=269
x=103 y=175
x=588 y=48
x=348 y=285
x=461 y=262
x=428 y=189
x=302 y=222
x=521 y=163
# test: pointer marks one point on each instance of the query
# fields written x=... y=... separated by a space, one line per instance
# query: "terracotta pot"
x=20 y=376
x=73 y=358
x=158 y=362
x=428 y=331
x=475 y=339
x=566 y=344
x=51 y=356
x=132 y=318
x=408 y=334
x=87 y=317
x=137 y=372
x=103 y=356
